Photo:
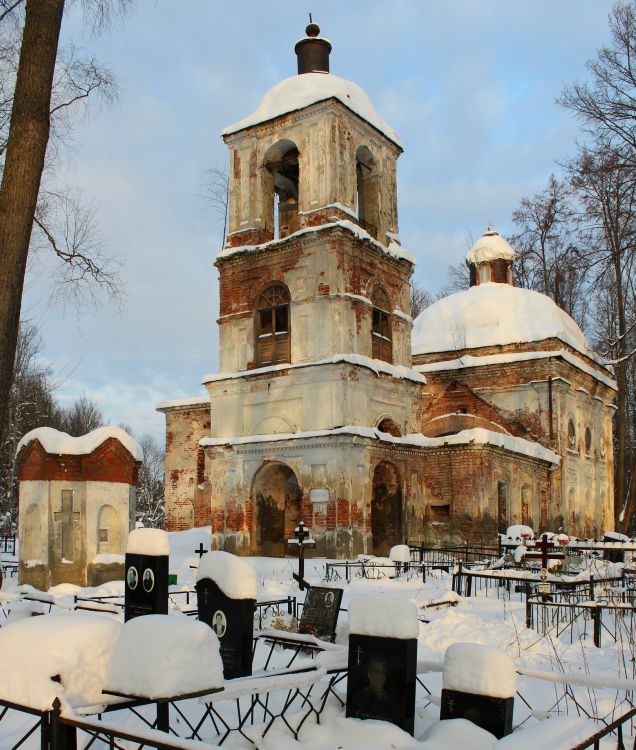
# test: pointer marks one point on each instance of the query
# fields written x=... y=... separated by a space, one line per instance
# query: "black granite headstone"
x=320 y=612
x=146 y=585
x=381 y=679
x=233 y=622
x=492 y=714
x=611 y=554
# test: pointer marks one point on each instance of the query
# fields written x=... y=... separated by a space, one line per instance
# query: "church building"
x=331 y=404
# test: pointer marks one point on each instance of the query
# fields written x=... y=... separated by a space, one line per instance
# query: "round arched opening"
x=276 y=495
x=386 y=424
x=386 y=508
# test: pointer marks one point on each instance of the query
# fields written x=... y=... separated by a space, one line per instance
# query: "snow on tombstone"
x=479 y=684
x=147 y=561
x=226 y=595
x=383 y=634
x=60 y=655
x=161 y=656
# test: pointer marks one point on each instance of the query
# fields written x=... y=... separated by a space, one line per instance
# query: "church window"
x=367 y=191
x=272 y=332
x=381 y=326
x=282 y=180
x=484 y=273
x=388 y=425
x=571 y=435
x=588 y=440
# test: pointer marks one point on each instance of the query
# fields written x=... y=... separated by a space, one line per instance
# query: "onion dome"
x=490 y=259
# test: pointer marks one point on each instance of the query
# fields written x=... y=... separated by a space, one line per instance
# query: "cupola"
x=490 y=259
x=313 y=51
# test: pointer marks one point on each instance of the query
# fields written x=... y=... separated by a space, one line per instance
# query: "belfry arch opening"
x=367 y=191
x=281 y=177
x=277 y=496
x=386 y=508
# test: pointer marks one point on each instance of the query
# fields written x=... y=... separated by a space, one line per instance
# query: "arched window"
x=588 y=441
x=381 y=326
x=367 y=191
x=484 y=273
x=388 y=425
x=281 y=163
x=571 y=435
x=272 y=327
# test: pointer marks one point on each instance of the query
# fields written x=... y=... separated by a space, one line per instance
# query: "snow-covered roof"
x=503 y=359
x=490 y=246
x=183 y=403
x=491 y=315
x=477 y=436
x=377 y=365
x=393 y=249
x=301 y=91
x=59 y=443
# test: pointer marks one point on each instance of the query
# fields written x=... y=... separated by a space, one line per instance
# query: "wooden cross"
x=67 y=516
x=545 y=546
x=200 y=552
x=302 y=537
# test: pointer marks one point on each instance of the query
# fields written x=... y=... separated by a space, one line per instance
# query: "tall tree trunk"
x=621 y=405
x=24 y=162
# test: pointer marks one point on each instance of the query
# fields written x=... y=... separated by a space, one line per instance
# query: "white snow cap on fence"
x=234 y=576
x=400 y=553
x=516 y=532
x=158 y=656
x=482 y=670
x=383 y=616
x=154 y=542
x=77 y=647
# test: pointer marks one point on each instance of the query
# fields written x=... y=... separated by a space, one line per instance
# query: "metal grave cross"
x=200 y=552
x=67 y=516
x=302 y=537
x=545 y=546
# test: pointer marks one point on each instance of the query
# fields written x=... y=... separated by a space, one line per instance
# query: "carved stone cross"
x=67 y=516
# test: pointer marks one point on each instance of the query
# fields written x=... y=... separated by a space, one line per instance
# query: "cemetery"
x=434 y=651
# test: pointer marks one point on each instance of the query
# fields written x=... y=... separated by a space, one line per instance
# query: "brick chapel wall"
x=186 y=493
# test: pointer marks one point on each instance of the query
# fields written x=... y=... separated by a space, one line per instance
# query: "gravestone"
x=382 y=660
x=320 y=612
x=146 y=582
x=226 y=595
x=479 y=684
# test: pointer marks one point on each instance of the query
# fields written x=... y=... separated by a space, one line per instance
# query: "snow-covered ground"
x=605 y=676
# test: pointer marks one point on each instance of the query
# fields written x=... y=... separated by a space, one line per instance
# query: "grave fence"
x=453 y=554
x=348 y=569
x=7 y=544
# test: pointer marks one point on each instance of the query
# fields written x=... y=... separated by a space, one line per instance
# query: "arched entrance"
x=386 y=508
x=276 y=495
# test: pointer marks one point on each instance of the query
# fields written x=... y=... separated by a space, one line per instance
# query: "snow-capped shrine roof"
x=301 y=91
x=490 y=246
x=494 y=314
x=56 y=442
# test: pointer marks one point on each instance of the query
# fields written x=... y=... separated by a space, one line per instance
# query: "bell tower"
x=312 y=267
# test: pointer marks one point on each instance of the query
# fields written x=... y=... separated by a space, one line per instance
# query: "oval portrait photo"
x=219 y=623
x=132 y=577
x=148 y=580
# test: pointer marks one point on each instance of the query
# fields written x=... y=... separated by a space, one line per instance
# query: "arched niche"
x=502 y=506
x=276 y=496
x=387 y=424
x=281 y=179
x=386 y=508
x=108 y=531
x=367 y=191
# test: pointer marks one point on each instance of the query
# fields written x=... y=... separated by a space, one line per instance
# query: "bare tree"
x=420 y=299
x=607 y=105
x=458 y=280
x=215 y=190
x=38 y=91
x=81 y=417
x=150 y=502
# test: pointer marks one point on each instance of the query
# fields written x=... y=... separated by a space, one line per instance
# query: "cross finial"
x=311 y=20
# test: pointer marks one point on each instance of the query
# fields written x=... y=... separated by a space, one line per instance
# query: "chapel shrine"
x=331 y=405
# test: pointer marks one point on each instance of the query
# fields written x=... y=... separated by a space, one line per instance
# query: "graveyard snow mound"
x=481 y=670
x=400 y=553
x=383 y=616
x=457 y=733
x=158 y=656
x=153 y=542
x=77 y=647
x=234 y=576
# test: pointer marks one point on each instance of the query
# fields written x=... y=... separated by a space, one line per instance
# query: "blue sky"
x=469 y=86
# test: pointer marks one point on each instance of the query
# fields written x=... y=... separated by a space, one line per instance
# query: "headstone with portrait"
x=146 y=583
x=320 y=612
x=479 y=684
x=226 y=596
x=382 y=660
